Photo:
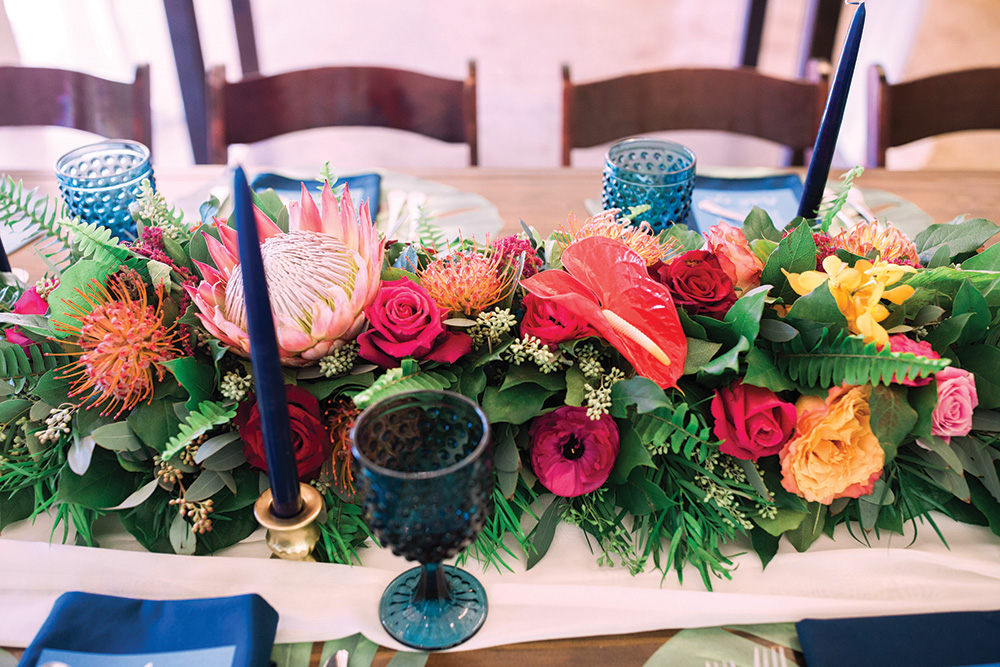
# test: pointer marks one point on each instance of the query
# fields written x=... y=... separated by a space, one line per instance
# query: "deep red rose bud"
x=310 y=439
x=697 y=283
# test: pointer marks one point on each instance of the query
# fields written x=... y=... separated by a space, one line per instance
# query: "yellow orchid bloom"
x=858 y=291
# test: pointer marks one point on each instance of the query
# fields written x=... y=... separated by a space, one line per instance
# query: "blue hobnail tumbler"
x=425 y=473
x=99 y=182
x=650 y=171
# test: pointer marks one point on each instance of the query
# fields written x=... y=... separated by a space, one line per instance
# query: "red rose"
x=571 y=453
x=552 y=323
x=697 y=283
x=406 y=322
x=310 y=439
x=751 y=421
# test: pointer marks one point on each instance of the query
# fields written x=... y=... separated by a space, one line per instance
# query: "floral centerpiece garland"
x=668 y=393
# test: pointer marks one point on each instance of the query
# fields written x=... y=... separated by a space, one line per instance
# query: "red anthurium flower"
x=605 y=283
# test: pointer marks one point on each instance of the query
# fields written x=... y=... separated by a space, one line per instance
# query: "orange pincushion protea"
x=639 y=238
x=124 y=342
x=893 y=246
x=467 y=282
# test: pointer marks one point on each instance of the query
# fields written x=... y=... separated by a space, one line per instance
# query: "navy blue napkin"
x=85 y=629
x=951 y=639
x=363 y=187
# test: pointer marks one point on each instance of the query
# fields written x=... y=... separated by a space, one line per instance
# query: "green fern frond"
x=92 y=241
x=199 y=421
x=830 y=210
x=430 y=235
x=26 y=212
x=395 y=382
x=21 y=368
x=845 y=358
x=679 y=430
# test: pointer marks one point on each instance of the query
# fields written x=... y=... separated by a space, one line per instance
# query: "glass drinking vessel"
x=425 y=465
x=100 y=181
x=650 y=171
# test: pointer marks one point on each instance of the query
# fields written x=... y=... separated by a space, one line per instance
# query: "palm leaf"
x=844 y=358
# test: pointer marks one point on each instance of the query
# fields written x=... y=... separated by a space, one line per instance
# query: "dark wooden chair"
x=261 y=107
x=41 y=96
x=742 y=101
x=899 y=113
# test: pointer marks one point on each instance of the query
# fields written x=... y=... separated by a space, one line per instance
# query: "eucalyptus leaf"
x=214 y=444
x=80 y=453
x=117 y=436
x=777 y=331
x=229 y=457
x=141 y=495
x=182 y=539
x=206 y=485
x=541 y=536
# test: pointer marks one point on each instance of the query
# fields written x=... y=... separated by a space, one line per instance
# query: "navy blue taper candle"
x=272 y=404
x=833 y=115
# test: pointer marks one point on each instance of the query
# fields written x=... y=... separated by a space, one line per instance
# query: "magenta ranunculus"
x=957 y=398
x=571 y=453
x=750 y=421
x=552 y=323
x=404 y=321
x=904 y=344
x=697 y=283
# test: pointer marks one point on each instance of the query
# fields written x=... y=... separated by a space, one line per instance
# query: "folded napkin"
x=953 y=639
x=85 y=630
x=363 y=187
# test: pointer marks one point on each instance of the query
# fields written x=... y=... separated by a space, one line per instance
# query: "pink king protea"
x=321 y=276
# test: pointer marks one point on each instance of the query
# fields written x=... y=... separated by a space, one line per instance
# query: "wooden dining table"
x=544 y=198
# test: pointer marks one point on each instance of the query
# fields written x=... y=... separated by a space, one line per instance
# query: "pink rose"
x=751 y=421
x=735 y=257
x=29 y=303
x=903 y=344
x=406 y=322
x=552 y=323
x=571 y=453
x=957 y=399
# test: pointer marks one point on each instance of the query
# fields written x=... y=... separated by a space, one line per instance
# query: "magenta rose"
x=552 y=323
x=571 y=453
x=310 y=439
x=404 y=321
x=750 y=421
x=904 y=344
x=29 y=303
x=698 y=283
x=957 y=398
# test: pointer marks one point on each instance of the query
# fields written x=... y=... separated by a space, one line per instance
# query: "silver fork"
x=773 y=657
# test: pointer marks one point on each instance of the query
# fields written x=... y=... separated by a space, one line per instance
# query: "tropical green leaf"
x=541 y=536
x=24 y=369
x=962 y=238
x=758 y=225
x=796 y=253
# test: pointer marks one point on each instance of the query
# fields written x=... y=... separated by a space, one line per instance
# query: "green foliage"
x=839 y=358
x=398 y=380
x=21 y=368
x=830 y=210
x=206 y=417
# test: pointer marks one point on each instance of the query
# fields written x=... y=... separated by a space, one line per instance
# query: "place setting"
x=312 y=420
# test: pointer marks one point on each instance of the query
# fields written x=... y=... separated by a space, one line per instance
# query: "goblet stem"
x=433 y=584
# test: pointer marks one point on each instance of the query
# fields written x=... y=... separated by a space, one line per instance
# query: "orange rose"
x=834 y=453
x=730 y=245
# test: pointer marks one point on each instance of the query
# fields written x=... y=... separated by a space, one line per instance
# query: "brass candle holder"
x=293 y=538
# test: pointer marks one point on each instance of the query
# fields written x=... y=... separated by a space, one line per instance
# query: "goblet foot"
x=414 y=616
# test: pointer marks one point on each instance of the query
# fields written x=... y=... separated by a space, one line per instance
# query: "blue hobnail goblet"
x=650 y=171
x=425 y=473
x=99 y=183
